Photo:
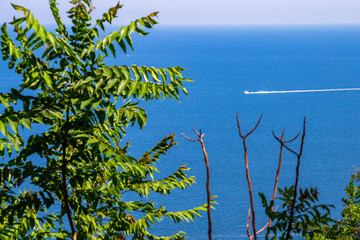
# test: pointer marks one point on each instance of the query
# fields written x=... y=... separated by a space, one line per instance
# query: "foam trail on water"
x=304 y=91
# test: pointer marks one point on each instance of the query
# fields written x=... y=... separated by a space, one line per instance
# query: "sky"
x=211 y=12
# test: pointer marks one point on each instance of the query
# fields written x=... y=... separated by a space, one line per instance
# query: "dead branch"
x=282 y=141
x=297 y=173
x=200 y=139
x=247 y=170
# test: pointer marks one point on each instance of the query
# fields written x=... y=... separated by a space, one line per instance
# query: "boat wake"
x=303 y=91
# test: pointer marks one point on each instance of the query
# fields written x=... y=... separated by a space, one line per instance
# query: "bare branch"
x=283 y=143
x=303 y=137
x=266 y=225
x=198 y=134
x=296 y=181
x=191 y=140
x=288 y=141
x=238 y=124
x=248 y=172
x=200 y=139
x=257 y=124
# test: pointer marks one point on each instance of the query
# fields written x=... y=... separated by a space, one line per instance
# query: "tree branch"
x=248 y=224
x=296 y=181
x=247 y=169
x=200 y=139
x=282 y=141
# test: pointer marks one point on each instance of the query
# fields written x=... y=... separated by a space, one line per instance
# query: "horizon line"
x=238 y=24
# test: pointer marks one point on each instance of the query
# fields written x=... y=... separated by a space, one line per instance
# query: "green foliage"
x=348 y=227
x=308 y=215
x=78 y=164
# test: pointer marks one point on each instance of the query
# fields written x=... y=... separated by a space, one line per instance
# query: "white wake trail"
x=304 y=91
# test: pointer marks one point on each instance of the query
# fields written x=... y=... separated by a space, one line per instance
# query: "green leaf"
x=112 y=49
x=129 y=42
x=20 y=8
x=144 y=90
x=3 y=128
x=18 y=21
x=142 y=117
x=123 y=32
x=13 y=124
x=52 y=39
x=42 y=33
x=85 y=103
x=56 y=114
x=111 y=83
x=48 y=80
x=26 y=122
x=171 y=73
x=132 y=27
x=122 y=45
x=122 y=86
x=107 y=71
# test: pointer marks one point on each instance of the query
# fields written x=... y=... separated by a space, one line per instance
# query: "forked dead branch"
x=200 y=139
x=282 y=141
x=248 y=175
x=298 y=155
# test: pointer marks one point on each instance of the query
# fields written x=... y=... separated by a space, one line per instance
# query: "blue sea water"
x=224 y=61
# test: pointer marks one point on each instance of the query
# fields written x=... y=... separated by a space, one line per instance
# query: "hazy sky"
x=199 y=12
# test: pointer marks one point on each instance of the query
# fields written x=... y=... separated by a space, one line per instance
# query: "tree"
x=349 y=226
x=76 y=164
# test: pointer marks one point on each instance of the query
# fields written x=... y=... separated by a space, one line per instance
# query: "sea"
x=284 y=64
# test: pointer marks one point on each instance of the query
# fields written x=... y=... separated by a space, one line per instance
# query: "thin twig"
x=200 y=139
x=283 y=143
x=266 y=225
x=247 y=169
x=248 y=224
